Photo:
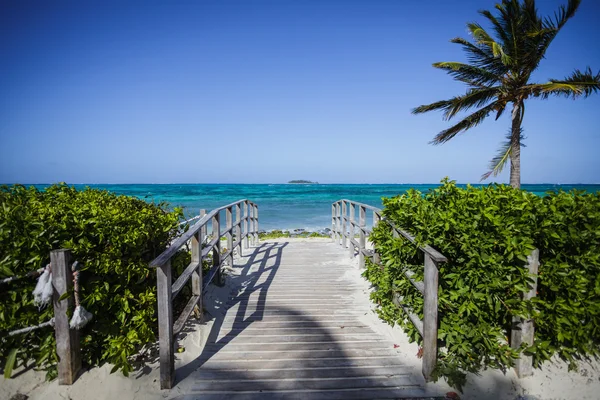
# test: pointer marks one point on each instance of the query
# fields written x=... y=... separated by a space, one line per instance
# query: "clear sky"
x=267 y=91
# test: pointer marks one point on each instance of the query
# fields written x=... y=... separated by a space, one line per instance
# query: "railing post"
x=256 y=223
x=67 y=340
x=430 y=317
x=216 y=233
x=351 y=215
x=166 y=343
x=197 y=240
x=338 y=212
x=203 y=229
x=344 y=225
x=246 y=224
x=362 y=222
x=251 y=223
x=238 y=227
x=376 y=219
x=333 y=222
x=523 y=330
x=229 y=219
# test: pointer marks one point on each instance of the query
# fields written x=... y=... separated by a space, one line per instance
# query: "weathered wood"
x=338 y=213
x=523 y=329
x=430 y=317
x=352 y=215
x=197 y=268
x=362 y=220
x=376 y=218
x=189 y=271
x=246 y=224
x=165 y=325
x=344 y=227
x=67 y=339
x=417 y=284
x=417 y=323
x=256 y=223
x=333 y=222
x=238 y=228
x=185 y=314
x=203 y=229
x=216 y=255
x=229 y=235
x=186 y=236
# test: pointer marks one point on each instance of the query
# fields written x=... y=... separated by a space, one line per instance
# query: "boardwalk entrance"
x=294 y=328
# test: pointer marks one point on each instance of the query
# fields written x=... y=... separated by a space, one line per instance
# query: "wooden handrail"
x=428 y=287
x=167 y=290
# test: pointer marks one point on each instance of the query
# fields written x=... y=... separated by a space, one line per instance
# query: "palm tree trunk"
x=515 y=144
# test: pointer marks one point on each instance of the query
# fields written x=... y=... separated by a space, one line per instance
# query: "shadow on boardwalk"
x=312 y=346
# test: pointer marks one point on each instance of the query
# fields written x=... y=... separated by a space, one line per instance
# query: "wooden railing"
x=244 y=228
x=68 y=347
x=343 y=226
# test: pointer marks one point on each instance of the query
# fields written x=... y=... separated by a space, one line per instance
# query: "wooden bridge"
x=294 y=325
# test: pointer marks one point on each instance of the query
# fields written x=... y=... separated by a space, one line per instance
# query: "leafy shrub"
x=114 y=237
x=486 y=234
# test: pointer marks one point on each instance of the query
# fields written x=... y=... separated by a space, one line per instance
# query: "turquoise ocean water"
x=283 y=206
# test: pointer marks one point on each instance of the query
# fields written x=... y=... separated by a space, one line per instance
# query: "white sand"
x=551 y=382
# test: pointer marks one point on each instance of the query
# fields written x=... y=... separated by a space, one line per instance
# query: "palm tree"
x=498 y=73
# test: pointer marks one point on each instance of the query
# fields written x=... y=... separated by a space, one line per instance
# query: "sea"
x=284 y=206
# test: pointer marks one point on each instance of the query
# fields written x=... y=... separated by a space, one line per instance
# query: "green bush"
x=486 y=234
x=114 y=237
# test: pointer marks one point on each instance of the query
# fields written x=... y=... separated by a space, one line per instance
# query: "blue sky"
x=267 y=91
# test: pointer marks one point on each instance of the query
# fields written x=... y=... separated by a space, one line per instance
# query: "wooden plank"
x=216 y=251
x=333 y=231
x=523 y=329
x=165 y=325
x=344 y=227
x=203 y=229
x=67 y=339
x=197 y=261
x=430 y=317
x=256 y=223
x=362 y=240
x=238 y=228
x=210 y=246
x=338 y=213
x=246 y=224
x=187 y=273
x=376 y=217
x=351 y=245
x=229 y=235
x=418 y=284
x=416 y=321
x=185 y=314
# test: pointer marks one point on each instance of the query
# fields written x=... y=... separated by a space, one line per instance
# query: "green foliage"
x=276 y=234
x=486 y=234
x=114 y=237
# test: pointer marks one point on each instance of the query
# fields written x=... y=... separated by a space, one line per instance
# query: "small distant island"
x=303 y=181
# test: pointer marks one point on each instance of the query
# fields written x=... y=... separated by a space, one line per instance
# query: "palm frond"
x=481 y=57
x=468 y=122
x=580 y=83
x=469 y=74
x=499 y=161
x=473 y=98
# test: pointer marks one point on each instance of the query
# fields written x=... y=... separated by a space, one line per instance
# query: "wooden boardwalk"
x=295 y=329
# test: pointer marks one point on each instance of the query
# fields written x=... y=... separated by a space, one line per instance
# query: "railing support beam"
x=430 y=317
x=67 y=339
x=165 y=325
